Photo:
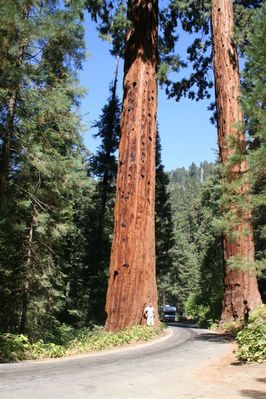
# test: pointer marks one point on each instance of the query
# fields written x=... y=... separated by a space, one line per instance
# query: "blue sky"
x=186 y=133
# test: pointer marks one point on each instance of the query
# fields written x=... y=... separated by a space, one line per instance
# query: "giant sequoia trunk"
x=240 y=283
x=132 y=281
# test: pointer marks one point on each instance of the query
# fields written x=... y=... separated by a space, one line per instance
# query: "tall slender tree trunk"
x=6 y=144
x=26 y=285
x=132 y=281
x=240 y=283
x=8 y=133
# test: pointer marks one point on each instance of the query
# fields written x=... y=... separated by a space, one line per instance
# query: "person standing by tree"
x=149 y=313
x=246 y=312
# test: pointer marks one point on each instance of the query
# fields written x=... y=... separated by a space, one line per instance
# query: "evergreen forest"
x=65 y=211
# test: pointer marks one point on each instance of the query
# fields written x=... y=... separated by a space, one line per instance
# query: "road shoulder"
x=228 y=378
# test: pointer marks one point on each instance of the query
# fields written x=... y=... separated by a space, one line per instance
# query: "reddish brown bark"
x=132 y=281
x=239 y=284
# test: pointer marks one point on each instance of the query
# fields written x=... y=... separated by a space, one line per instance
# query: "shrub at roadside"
x=18 y=347
x=13 y=347
x=251 y=340
x=232 y=327
x=99 y=340
x=196 y=312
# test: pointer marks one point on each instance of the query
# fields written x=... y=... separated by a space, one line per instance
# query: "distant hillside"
x=185 y=178
x=185 y=184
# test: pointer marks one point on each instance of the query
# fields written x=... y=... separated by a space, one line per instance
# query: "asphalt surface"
x=161 y=369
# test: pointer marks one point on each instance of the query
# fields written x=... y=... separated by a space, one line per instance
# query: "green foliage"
x=45 y=171
x=56 y=222
x=196 y=311
x=253 y=101
x=40 y=350
x=97 y=235
x=13 y=347
x=195 y=81
x=18 y=347
x=114 y=24
x=251 y=340
x=235 y=200
x=244 y=11
x=232 y=327
x=100 y=340
x=163 y=225
x=194 y=282
x=239 y=262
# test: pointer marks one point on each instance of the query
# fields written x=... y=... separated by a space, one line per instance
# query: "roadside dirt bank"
x=228 y=378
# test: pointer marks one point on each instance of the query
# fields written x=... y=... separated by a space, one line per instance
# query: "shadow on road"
x=251 y=393
x=261 y=380
x=214 y=337
x=207 y=336
x=237 y=363
x=182 y=324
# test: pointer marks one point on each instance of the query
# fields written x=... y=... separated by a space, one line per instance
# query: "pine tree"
x=194 y=18
x=163 y=225
x=104 y=167
x=47 y=170
x=205 y=303
x=15 y=43
x=104 y=163
x=132 y=280
x=195 y=282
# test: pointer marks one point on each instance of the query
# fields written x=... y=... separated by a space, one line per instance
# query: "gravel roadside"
x=227 y=378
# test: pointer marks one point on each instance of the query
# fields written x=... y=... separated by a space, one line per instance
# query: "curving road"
x=161 y=369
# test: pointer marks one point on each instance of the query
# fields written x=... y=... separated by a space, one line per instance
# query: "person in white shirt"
x=149 y=313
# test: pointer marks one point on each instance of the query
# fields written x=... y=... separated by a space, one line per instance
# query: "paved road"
x=156 y=370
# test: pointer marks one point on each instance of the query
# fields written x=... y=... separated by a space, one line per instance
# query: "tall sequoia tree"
x=253 y=101
x=195 y=18
x=240 y=273
x=132 y=281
